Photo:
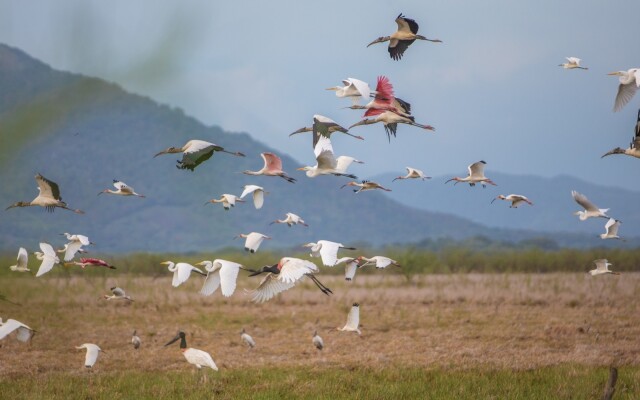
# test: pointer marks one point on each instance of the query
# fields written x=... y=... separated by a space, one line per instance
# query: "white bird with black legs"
x=377 y=261
x=634 y=146
x=413 y=173
x=272 y=167
x=123 y=190
x=327 y=251
x=195 y=152
x=353 y=88
x=283 y=276
x=23 y=332
x=515 y=199
x=135 y=340
x=253 y=240
x=290 y=219
x=476 y=175
x=222 y=274
x=572 y=63
x=611 y=230
x=91 y=356
x=22 y=259
x=49 y=258
x=629 y=83
x=258 y=195
x=247 y=339
x=327 y=163
x=401 y=39
x=117 y=293
x=602 y=267
x=227 y=200
x=324 y=126
x=317 y=341
x=181 y=272
x=48 y=197
x=353 y=320
x=590 y=209
x=196 y=357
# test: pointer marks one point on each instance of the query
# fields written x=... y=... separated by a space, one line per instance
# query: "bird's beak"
x=299 y=130
x=165 y=262
x=363 y=122
x=452 y=179
x=161 y=153
x=300 y=169
x=11 y=206
x=494 y=199
x=614 y=73
x=175 y=339
x=207 y=202
x=332 y=88
x=374 y=42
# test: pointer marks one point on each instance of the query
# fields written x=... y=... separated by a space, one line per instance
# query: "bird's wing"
x=397 y=48
x=383 y=262
x=118 y=291
x=362 y=87
x=353 y=319
x=329 y=252
x=272 y=162
x=84 y=240
x=350 y=270
x=407 y=24
x=47 y=249
x=200 y=357
x=184 y=271
x=253 y=241
x=8 y=327
x=47 y=264
x=72 y=249
x=625 y=93
x=249 y=189
x=476 y=169
x=343 y=163
x=24 y=333
x=48 y=188
x=228 y=276
x=573 y=60
x=583 y=201
x=231 y=199
x=92 y=354
x=601 y=264
x=211 y=283
x=191 y=159
x=269 y=287
x=384 y=91
x=296 y=268
x=324 y=154
x=612 y=226
x=258 y=198
x=23 y=258
x=119 y=185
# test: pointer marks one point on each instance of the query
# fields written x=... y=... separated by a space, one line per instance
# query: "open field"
x=462 y=335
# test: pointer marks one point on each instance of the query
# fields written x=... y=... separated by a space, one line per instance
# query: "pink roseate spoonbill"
x=324 y=126
x=327 y=251
x=196 y=357
x=220 y=273
x=48 y=197
x=252 y=241
x=590 y=209
x=572 y=63
x=385 y=99
x=353 y=320
x=602 y=267
x=181 y=272
x=327 y=163
x=23 y=259
x=118 y=294
x=353 y=88
x=634 y=146
x=365 y=185
x=227 y=200
x=23 y=332
x=290 y=219
x=48 y=257
x=247 y=339
x=390 y=121
x=272 y=167
x=350 y=267
x=317 y=341
x=123 y=189
x=515 y=199
x=258 y=195
x=283 y=276
x=413 y=173
x=629 y=83
x=96 y=262
x=401 y=39
x=611 y=229
x=135 y=340
x=476 y=175
x=195 y=152
x=92 y=354
x=377 y=261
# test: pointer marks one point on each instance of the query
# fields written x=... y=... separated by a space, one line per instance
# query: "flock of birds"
x=384 y=107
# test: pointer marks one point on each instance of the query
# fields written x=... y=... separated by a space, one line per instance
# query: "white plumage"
x=227 y=200
x=284 y=276
x=317 y=341
x=220 y=273
x=413 y=173
x=22 y=259
x=378 y=261
x=515 y=199
x=629 y=83
x=602 y=267
x=48 y=257
x=590 y=209
x=327 y=251
x=353 y=320
x=350 y=267
x=476 y=175
x=253 y=240
x=181 y=272
x=353 y=88
x=611 y=229
x=247 y=339
x=135 y=340
x=92 y=354
x=23 y=332
x=258 y=195
x=290 y=219
x=326 y=161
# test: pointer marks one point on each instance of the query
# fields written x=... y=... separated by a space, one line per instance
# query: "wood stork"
x=629 y=83
x=476 y=175
x=572 y=63
x=48 y=197
x=23 y=259
x=220 y=273
x=272 y=167
x=390 y=120
x=365 y=185
x=515 y=199
x=350 y=267
x=49 y=258
x=413 y=173
x=195 y=152
x=135 y=340
x=95 y=262
x=290 y=219
x=181 y=272
x=317 y=341
x=401 y=39
x=377 y=261
x=353 y=88
x=196 y=357
x=283 y=276
x=252 y=241
x=91 y=357
x=247 y=339
x=327 y=163
x=118 y=294
x=590 y=209
x=227 y=200
x=327 y=251
x=258 y=195
x=23 y=332
x=324 y=126
x=611 y=230
x=353 y=320
x=634 y=146
x=602 y=267
x=74 y=245
x=123 y=189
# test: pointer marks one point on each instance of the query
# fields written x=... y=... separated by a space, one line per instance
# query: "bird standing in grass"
x=317 y=341
x=193 y=356
x=247 y=339
x=135 y=340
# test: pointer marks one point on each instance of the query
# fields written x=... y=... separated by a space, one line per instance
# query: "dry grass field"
x=546 y=334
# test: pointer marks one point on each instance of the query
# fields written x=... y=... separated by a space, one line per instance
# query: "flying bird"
x=385 y=99
x=220 y=273
x=95 y=262
x=413 y=173
x=258 y=195
x=602 y=267
x=92 y=354
x=327 y=251
x=350 y=267
x=629 y=83
x=49 y=258
x=365 y=185
x=195 y=152
x=476 y=175
x=272 y=167
x=118 y=294
x=252 y=241
x=247 y=339
x=317 y=341
x=48 y=197
x=572 y=63
x=196 y=357
x=181 y=272
x=611 y=230
x=74 y=245
x=634 y=146
x=23 y=332
x=377 y=261
x=227 y=200
x=324 y=126
x=123 y=189
x=390 y=120
x=590 y=209
x=353 y=88
x=353 y=320
x=290 y=219
x=23 y=258
x=515 y=199
x=135 y=340
x=327 y=163
x=401 y=39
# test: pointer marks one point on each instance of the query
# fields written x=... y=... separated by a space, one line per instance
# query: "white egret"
x=258 y=195
x=611 y=230
x=590 y=209
x=48 y=197
x=23 y=332
x=327 y=251
x=327 y=163
x=377 y=261
x=49 y=259
x=195 y=152
x=220 y=273
x=401 y=39
x=350 y=267
x=74 y=245
x=629 y=83
x=476 y=175
x=92 y=354
x=602 y=267
x=23 y=258
x=353 y=320
x=272 y=167
x=353 y=88
x=181 y=272
x=123 y=189
x=572 y=63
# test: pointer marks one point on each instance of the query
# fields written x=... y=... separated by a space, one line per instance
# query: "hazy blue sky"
x=493 y=89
